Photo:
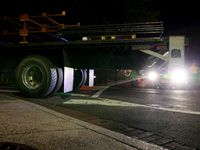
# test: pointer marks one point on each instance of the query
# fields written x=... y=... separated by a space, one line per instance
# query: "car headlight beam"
x=178 y=76
x=152 y=76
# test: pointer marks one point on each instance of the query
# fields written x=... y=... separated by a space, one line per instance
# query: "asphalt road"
x=172 y=114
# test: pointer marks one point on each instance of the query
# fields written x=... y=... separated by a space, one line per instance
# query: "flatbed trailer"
x=42 y=68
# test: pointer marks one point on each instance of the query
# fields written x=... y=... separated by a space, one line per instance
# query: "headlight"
x=179 y=76
x=152 y=76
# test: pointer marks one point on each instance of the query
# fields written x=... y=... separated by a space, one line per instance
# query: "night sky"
x=180 y=17
x=174 y=15
x=177 y=15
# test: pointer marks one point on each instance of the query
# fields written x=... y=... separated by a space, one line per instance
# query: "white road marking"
x=83 y=95
x=96 y=95
x=109 y=102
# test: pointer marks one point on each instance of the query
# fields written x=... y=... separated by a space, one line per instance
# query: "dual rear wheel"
x=36 y=76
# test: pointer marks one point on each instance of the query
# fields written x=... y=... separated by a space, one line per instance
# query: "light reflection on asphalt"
x=109 y=102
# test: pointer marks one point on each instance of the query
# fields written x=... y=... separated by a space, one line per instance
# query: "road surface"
x=169 y=118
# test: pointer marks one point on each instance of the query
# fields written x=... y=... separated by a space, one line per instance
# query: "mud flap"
x=68 y=79
x=91 y=77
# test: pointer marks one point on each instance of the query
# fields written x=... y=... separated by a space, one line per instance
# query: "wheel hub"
x=32 y=76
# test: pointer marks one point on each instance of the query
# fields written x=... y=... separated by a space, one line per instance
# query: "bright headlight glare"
x=179 y=76
x=152 y=76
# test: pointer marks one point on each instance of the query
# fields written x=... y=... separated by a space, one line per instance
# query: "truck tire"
x=59 y=80
x=85 y=77
x=82 y=79
x=78 y=79
x=36 y=76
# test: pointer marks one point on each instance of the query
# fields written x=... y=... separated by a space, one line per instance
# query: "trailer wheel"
x=78 y=78
x=59 y=80
x=85 y=77
x=36 y=76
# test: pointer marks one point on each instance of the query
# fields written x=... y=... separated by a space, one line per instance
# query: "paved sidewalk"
x=26 y=123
